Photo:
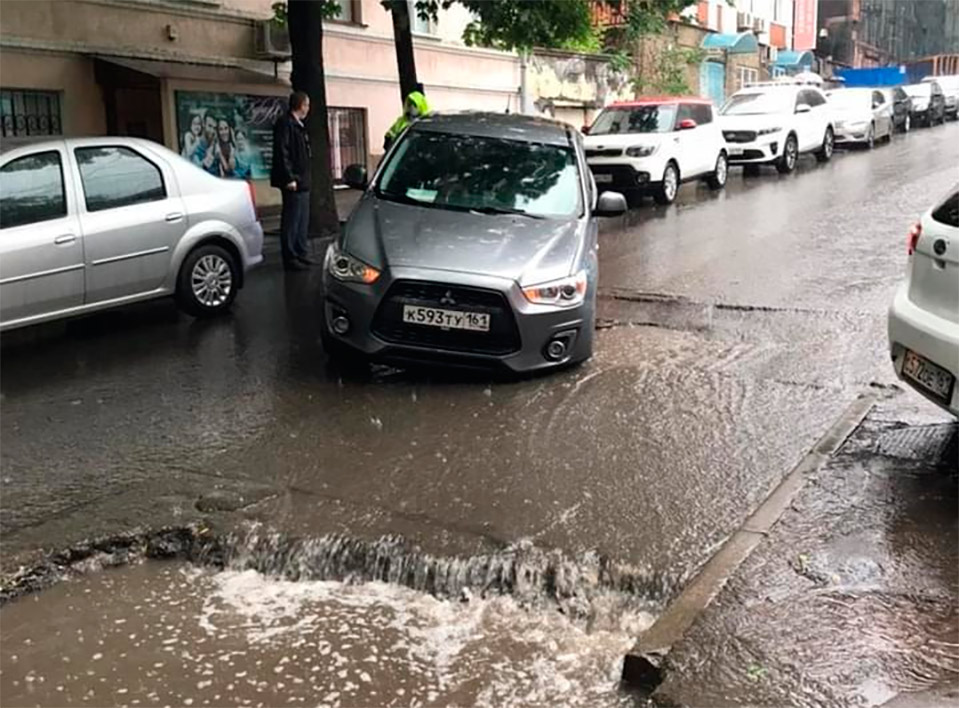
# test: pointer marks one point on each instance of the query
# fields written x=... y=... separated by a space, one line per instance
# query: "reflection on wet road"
x=734 y=328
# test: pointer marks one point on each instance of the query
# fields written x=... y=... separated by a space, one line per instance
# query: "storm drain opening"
x=262 y=619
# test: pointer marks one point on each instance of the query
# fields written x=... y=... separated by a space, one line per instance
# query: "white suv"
x=653 y=144
x=774 y=124
x=924 y=316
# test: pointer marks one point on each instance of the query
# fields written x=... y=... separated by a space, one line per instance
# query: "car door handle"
x=174 y=217
x=64 y=239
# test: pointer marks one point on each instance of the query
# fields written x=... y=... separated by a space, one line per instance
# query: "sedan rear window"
x=117 y=176
x=491 y=175
x=948 y=212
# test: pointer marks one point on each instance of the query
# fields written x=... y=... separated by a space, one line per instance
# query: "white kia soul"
x=924 y=317
x=775 y=124
x=651 y=145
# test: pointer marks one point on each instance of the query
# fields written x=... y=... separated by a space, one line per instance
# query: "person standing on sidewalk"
x=290 y=174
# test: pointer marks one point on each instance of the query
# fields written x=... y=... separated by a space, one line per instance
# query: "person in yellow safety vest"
x=414 y=107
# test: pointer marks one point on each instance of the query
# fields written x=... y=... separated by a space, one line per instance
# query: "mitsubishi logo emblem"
x=447 y=298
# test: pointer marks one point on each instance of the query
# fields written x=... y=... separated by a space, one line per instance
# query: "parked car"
x=950 y=90
x=924 y=317
x=475 y=244
x=654 y=144
x=928 y=103
x=774 y=124
x=88 y=224
x=861 y=115
x=901 y=108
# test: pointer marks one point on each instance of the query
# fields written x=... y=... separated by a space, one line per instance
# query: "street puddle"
x=171 y=633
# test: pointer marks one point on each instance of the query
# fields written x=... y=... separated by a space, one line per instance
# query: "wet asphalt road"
x=734 y=329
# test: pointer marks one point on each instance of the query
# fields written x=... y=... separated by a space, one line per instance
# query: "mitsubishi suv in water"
x=653 y=144
x=474 y=244
x=774 y=124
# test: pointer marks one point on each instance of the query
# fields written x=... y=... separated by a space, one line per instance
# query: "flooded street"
x=428 y=537
x=170 y=634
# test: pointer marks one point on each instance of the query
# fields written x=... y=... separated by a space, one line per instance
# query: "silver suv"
x=474 y=244
x=92 y=223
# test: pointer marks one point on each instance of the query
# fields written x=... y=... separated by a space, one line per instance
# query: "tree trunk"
x=403 y=39
x=305 y=21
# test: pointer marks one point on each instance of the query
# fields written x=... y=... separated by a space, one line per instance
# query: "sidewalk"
x=346 y=199
x=851 y=598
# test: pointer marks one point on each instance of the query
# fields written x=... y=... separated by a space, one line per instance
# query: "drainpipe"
x=524 y=102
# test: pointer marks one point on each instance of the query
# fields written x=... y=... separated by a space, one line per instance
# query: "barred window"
x=27 y=113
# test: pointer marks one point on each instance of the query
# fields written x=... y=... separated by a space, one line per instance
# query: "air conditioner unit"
x=760 y=25
x=744 y=21
x=272 y=41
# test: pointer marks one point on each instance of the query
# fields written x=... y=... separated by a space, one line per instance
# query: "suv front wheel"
x=787 y=161
x=666 y=191
x=824 y=153
x=717 y=180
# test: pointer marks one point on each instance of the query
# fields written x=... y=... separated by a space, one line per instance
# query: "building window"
x=347 y=138
x=746 y=76
x=116 y=177
x=418 y=25
x=350 y=12
x=27 y=113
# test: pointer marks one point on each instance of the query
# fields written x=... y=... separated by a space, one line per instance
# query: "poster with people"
x=228 y=135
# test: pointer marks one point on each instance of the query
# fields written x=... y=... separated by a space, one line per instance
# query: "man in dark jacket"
x=291 y=175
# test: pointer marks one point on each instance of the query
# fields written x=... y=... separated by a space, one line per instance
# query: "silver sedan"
x=861 y=115
x=92 y=223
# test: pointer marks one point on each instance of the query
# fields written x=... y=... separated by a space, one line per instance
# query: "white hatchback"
x=653 y=144
x=924 y=317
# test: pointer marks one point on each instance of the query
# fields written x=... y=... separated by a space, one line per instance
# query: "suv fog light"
x=341 y=324
x=774 y=147
x=558 y=348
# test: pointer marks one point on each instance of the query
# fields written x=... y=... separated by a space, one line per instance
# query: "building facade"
x=170 y=70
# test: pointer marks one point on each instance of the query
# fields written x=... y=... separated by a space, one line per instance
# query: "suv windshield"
x=636 y=119
x=491 y=175
x=748 y=104
x=846 y=98
x=919 y=90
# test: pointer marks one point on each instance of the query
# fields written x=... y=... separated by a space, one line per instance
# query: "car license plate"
x=931 y=377
x=735 y=151
x=603 y=179
x=446 y=319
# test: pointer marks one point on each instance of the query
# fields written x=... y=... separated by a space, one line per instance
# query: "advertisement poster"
x=804 y=29
x=226 y=134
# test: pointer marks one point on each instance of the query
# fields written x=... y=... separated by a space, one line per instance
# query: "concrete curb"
x=642 y=667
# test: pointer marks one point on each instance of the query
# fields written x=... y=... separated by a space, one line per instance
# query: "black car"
x=928 y=103
x=901 y=108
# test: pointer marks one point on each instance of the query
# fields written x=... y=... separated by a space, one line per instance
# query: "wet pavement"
x=734 y=329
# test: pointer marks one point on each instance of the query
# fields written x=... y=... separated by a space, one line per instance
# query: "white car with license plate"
x=651 y=145
x=774 y=124
x=924 y=317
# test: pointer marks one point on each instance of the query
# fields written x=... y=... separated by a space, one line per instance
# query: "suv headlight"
x=767 y=131
x=345 y=267
x=641 y=150
x=565 y=292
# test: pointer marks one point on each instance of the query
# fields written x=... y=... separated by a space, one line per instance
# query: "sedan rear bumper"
x=932 y=337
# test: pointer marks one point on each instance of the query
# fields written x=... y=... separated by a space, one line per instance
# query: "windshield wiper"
x=489 y=209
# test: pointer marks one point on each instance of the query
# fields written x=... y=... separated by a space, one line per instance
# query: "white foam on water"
x=483 y=652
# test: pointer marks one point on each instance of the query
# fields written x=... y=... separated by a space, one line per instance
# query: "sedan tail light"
x=913 y=238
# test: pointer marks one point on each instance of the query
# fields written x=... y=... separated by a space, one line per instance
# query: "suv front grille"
x=605 y=152
x=502 y=338
x=739 y=136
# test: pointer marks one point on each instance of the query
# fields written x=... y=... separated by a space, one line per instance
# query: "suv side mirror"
x=355 y=176
x=803 y=108
x=610 y=204
x=687 y=124
x=585 y=129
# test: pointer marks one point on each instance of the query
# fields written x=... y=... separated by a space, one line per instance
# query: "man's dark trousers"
x=294 y=224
